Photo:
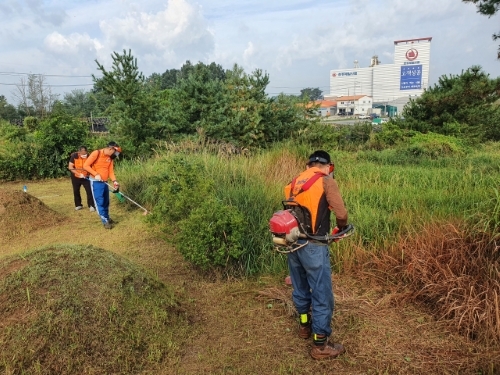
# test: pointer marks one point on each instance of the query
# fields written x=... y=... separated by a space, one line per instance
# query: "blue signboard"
x=411 y=77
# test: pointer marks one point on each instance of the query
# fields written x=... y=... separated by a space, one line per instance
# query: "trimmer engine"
x=284 y=228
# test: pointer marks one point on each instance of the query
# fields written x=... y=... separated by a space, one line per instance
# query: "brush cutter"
x=284 y=227
x=118 y=194
x=121 y=197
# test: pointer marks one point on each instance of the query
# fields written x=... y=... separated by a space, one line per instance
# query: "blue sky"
x=297 y=42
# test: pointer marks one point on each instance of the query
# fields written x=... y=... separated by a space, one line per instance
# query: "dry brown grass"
x=453 y=273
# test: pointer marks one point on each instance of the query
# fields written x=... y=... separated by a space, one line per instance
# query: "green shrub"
x=55 y=139
x=211 y=236
x=434 y=145
x=31 y=123
x=390 y=135
x=183 y=186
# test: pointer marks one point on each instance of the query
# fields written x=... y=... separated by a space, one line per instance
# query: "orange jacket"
x=78 y=162
x=322 y=197
x=101 y=164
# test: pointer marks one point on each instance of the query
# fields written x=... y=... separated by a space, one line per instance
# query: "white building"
x=407 y=77
x=354 y=104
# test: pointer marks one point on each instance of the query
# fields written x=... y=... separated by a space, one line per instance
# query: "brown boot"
x=305 y=330
x=326 y=350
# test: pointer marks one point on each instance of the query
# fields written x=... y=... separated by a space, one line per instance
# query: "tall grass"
x=385 y=197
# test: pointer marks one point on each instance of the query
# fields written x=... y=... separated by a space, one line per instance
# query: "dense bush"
x=183 y=185
x=433 y=146
x=55 y=139
x=45 y=151
x=211 y=235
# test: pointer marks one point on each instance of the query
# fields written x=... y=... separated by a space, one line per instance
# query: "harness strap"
x=307 y=185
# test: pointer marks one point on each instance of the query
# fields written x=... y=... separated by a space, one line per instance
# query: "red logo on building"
x=334 y=74
x=411 y=54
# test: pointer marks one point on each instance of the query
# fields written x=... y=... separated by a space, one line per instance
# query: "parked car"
x=379 y=121
x=364 y=117
x=374 y=115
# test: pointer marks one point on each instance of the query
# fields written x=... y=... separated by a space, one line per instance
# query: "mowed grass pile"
x=21 y=213
x=391 y=196
x=83 y=310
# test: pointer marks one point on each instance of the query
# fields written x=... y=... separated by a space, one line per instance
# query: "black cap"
x=319 y=156
x=112 y=144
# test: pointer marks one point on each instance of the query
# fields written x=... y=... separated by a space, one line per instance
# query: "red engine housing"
x=282 y=223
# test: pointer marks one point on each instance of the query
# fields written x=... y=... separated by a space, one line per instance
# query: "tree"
x=78 y=103
x=56 y=137
x=458 y=104
x=311 y=93
x=233 y=107
x=7 y=111
x=35 y=96
x=124 y=81
x=134 y=110
x=171 y=77
x=487 y=8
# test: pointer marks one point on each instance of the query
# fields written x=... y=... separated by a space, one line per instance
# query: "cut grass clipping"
x=21 y=213
x=83 y=310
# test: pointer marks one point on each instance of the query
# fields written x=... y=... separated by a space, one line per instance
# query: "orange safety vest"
x=308 y=201
x=100 y=163
x=78 y=163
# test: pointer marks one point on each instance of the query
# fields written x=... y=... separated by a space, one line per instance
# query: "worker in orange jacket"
x=79 y=178
x=100 y=167
x=309 y=267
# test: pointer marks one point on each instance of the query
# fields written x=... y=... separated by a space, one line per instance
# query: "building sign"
x=411 y=63
x=344 y=74
x=411 y=77
x=411 y=54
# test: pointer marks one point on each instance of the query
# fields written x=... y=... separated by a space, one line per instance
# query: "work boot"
x=326 y=350
x=107 y=225
x=91 y=209
x=78 y=208
x=305 y=328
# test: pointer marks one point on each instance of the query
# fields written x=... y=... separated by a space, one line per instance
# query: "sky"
x=296 y=42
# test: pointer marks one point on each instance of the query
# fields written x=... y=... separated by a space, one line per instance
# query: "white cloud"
x=178 y=32
x=248 y=53
x=73 y=44
x=296 y=41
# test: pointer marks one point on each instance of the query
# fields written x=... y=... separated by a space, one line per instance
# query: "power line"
x=45 y=75
x=46 y=85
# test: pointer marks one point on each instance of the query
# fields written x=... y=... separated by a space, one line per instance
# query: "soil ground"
x=248 y=326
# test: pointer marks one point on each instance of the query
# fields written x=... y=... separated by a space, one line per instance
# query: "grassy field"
x=246 y=326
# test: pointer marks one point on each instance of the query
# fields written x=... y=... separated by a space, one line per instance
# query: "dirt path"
x=237 y=329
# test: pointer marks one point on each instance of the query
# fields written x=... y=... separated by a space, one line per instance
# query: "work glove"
x=116 y=185
x=97 y=177
x=335 y=231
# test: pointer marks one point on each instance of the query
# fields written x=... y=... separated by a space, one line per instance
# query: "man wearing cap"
x=309 y=266
x=100 y=167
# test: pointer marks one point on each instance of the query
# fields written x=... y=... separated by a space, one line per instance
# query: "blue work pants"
x=100 y=191
x=312 y=285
